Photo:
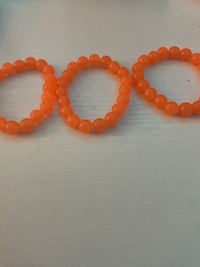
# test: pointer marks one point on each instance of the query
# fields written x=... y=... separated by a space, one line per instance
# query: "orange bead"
x=105 y=61
x=127 y=81
x=138 y=67
x=150 y=94
x=185 y=54
x=160 y=101
x=99 y=125
x=12 y=127
x=37 y=116
x=48 y=97
x=62 y=82
x=1 y=75
x=61 y=91
x=31 y=63
x=46 y=108
x=63 y=101
x=111 y=119
x=124 y=90
x=142 y=86
x=49 y=69
x=137 y=77
x=153 y=57
x=94 y=60
x=50 y=78
x=68 y=75
x=171 y=108
x=83 y=62
x=196 y=107
x=26 y=126
x=74 y=67
x=66 y=111
x=119 y=109
x=41 y=64
x=195 y=59
x=8 y=69
x=48 y=87
x=163 y=53
x=174 y=52
x=114 y=67
x=73 y=121
x=19 y=66
x=186 y=109
x=123 y=99
x=85 y=126
x=144 y=60
x=123 y=71
x=3 y=123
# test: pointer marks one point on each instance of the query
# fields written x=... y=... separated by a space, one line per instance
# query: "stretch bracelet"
x=150 y=94
x=27 y=125
x=100 y=124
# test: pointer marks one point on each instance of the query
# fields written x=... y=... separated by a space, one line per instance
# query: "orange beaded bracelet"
x=27 y=125
x=99 y=125
x=150 y=94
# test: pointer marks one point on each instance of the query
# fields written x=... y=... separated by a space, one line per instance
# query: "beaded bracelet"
x=27 y=125
x=100 y=124
x=150 y=94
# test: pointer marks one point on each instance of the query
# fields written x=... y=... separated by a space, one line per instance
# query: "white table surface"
x=129 y=197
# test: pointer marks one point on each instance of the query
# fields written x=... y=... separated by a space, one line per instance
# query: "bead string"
x=57 y=89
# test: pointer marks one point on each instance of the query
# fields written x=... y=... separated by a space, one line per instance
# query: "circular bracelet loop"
x=37 y=116
x=150 y=94
x=100 y=124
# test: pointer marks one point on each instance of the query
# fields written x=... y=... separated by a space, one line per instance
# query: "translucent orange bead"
x=1 y=75
x=68 y=75
x=160 y=101
x=73 y=121
x=123 y=90
x=153 y=57
x=174 y=52
x=46 y=108
x=48 y=69
x=30 y=63
x=144 y=60
x=99 y=125
x=48 y=97
x=48 y=87
x=105 y=61
x=114 y=67
x=3 y=123
x=83 y=62
x=66 y=111
x=26 y=126
x=137 y=77
x=163 y=53
x=61 y=91
x=50 y=78
x=85 y=126
x=63 y=101
x=142 y=86
x=127 y=81
x=195 y=59
x=74 y=67
x=196 y=107
x=123 y=99
x=37 y=116
x=186 y=109
x=111 y=119
x=122 y=72
x=171 y=108
x=150 y=94
x=41 y=64
x=12 y=127
x=19 y=66
x=119 y=109
x=94 y=60
x=138 y=67
x=185 y=54
x=8 y=69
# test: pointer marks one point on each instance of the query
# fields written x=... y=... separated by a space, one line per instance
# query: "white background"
x=129 y=197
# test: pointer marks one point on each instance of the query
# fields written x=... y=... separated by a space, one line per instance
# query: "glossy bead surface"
x=3 y=123
x=114 y=67
x=163 y=53
x=66 y=111
x=73 y=121
x=37 y=116
x=99 y=125
x=144 y=60
x=12 y=127
x=26 y=125
x=111 y=119
x=83 y=62
x=8 y=69
x=85 y=126
x=150 y=94
x=30 y=63
x=171 y=108
x=142 y=86
x=46 y=108
x=74 y=67
x=196 y=107
x=186 y=109
x=174 y=52
x=105 y=61
x=185 y=54
x=19 y=66
x=160 y=101
x=153 y=57
x=94 y=60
